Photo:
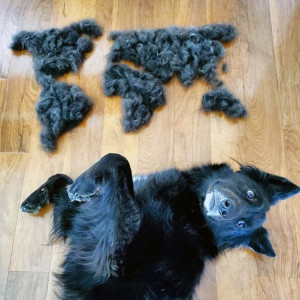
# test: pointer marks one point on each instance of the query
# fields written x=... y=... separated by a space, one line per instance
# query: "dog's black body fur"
x=150 y=239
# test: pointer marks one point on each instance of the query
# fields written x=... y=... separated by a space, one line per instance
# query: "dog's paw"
x=30 y=207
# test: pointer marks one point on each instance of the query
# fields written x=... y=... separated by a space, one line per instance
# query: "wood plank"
x=191 y=125
x=237 y=275
x=10 y=17
x=31 y=251
x=19 y=116
x=258 y=140
x=263 y=73
x=274 y=288
x=26 y=285
x=228 y=138
x=12 y=169
x=22 y=90
x=89 y=133
x=285 y=24
x=207 y=289
x=58 y=253
x=192 y=139
x=156 y=140
x=115 y=140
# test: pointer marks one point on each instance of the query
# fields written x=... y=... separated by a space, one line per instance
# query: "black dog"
x=149 y=237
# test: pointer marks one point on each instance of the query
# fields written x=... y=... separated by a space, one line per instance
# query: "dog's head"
x=236 y=203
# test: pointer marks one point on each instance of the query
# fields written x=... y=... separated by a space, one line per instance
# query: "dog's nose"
x=226 y=204
x=225 y=208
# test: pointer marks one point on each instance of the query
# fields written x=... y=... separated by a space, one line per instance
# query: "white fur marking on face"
x=213 y=213
x=212 y=202
x=208 y=200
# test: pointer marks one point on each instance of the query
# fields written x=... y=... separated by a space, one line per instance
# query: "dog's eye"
x=43 y=190
x=250 y=195
x=241 y=224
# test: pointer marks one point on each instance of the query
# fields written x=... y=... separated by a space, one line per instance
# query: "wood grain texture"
x=278 y=288
x=156 y=151
x=26 y=285
x=258 y=140
x=286 y=41
x=12 y=169
x=264 y=72
x=18 y=114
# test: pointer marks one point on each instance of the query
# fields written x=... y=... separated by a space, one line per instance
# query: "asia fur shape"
x=141 y=92
x=188 y=53
x=56 y=52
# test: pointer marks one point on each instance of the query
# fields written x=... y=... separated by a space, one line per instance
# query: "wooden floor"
x=264 y=72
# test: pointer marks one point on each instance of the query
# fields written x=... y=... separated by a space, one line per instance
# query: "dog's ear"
x=260 y=243
x=281 y=188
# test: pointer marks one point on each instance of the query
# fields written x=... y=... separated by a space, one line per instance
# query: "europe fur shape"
x=61 y=106
x=141 y=94
x=58 y=51
x=220 y=99
x=190 y=53
x=148 y=237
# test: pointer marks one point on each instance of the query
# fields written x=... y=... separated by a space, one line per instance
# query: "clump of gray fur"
x=190 y=53
x=56 y=52
x=141 y=93
x=61 y=107
x=220 y=99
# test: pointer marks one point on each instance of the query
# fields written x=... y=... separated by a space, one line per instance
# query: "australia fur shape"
x=56 y=52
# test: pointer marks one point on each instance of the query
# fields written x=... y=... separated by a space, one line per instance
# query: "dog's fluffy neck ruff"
x=197 y=186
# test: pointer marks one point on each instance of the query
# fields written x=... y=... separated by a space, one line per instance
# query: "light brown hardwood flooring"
x=264 y=72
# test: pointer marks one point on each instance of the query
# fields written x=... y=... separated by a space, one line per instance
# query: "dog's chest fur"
x=174 y=240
